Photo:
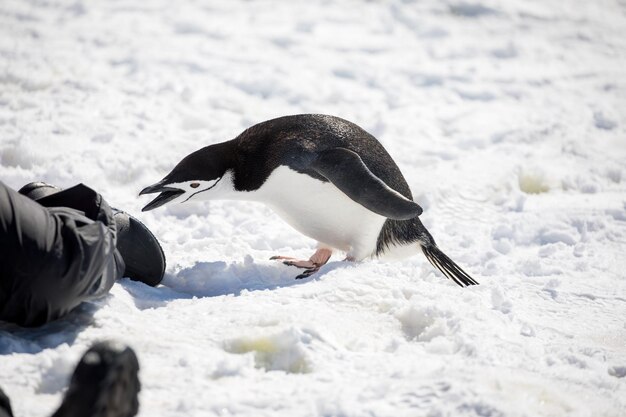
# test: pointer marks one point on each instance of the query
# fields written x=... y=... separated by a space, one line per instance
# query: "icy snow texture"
x=508 y=119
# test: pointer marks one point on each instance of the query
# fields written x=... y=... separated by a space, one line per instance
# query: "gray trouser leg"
x=52 y=259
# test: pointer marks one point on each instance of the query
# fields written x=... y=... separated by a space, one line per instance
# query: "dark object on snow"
x=142 y=253
x=5 y=405
x=105 y=383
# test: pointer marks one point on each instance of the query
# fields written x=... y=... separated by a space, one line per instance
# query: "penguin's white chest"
x=321 y=211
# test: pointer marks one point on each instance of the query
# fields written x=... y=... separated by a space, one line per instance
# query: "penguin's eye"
x=194 y=184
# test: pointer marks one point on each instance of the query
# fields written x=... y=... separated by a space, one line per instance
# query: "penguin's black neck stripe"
x=206 y=189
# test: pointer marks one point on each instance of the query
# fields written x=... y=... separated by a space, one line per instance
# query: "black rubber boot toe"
x=142 y=253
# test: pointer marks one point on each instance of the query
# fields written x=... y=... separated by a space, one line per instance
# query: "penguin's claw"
x=307 y=273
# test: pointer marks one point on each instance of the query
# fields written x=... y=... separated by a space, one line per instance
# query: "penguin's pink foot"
x=312 y=265
x=298 y=263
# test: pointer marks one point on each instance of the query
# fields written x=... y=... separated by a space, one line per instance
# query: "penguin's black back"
x=294 y=141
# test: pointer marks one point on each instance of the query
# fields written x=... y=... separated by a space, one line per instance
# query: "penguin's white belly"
x=321 y=211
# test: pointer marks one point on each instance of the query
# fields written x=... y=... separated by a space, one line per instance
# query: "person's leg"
x=53 y=259
x=142 y=253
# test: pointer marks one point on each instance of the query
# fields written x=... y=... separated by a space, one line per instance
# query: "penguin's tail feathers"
x=447 y=266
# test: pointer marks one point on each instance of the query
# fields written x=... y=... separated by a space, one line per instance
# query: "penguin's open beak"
x=167 y=195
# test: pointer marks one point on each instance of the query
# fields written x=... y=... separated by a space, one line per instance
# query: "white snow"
x=506 y=117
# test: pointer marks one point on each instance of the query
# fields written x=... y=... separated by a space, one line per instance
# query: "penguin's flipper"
x=347 y=171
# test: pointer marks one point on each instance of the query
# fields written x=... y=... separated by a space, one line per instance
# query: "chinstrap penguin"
x=325 y=176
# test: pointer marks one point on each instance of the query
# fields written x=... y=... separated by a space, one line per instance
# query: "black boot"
x=104 y=384
x=141 y=251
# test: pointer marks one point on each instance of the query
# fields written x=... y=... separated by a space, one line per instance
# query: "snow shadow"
x=146 y=297
x=16 y=339
x=210 y=279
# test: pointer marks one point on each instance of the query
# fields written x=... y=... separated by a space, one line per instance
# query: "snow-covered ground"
x=508 y=119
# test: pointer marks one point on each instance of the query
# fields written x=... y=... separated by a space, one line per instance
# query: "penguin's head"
x=197 y=177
